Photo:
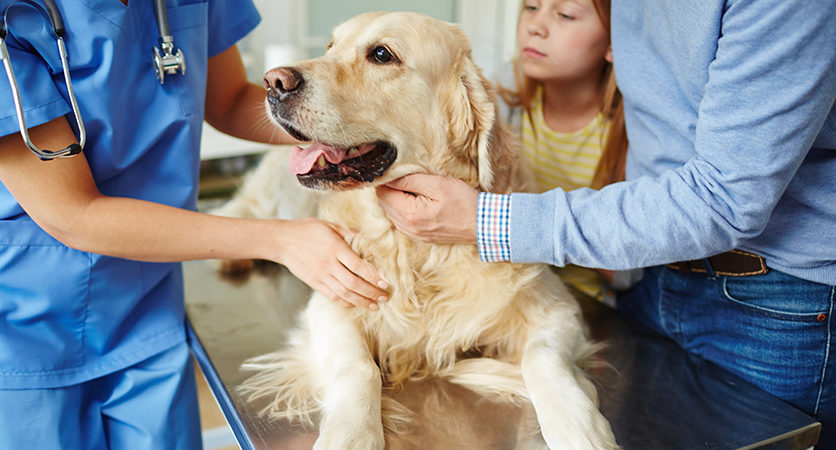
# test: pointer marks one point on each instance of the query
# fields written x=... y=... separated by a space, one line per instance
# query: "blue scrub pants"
x=774 y=330
x=151 y=405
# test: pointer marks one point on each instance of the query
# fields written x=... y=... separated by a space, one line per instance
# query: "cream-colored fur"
x=435 y=107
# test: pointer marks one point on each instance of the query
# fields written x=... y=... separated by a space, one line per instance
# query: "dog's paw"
x=594 y=433
x=601 y=435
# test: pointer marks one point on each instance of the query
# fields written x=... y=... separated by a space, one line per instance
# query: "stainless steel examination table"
x=654 y=394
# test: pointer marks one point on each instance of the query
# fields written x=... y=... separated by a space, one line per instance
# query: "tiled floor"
x=212 y=420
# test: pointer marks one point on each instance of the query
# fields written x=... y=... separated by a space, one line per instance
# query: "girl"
x=565 y=104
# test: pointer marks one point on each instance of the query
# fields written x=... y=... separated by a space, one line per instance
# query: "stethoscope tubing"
x=169 y=61
x=55 y=17
x=49 y=10
x=162 y=17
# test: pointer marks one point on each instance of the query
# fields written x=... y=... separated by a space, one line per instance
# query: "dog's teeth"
x=321 y=161
x=353 y=152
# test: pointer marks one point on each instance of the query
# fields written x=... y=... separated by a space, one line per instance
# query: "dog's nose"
x=282 y=81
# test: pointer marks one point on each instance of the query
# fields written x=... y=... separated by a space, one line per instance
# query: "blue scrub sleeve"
x=229 y=21
x=34 y=58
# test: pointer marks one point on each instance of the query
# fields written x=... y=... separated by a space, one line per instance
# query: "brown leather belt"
x=733 y=263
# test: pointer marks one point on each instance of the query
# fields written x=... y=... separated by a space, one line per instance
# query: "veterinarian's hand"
x=317 y=253
x=431 y=208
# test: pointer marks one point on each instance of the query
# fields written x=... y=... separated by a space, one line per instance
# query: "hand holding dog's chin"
x=316 y=252
x=431 y=208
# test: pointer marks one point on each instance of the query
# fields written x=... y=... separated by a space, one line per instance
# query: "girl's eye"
x=531 y=6
x=565 y=16
x=381 y=55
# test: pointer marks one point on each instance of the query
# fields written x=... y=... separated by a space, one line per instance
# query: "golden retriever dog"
x=394 y=94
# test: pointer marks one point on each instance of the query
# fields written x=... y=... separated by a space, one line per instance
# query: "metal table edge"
x=807 y=436
x=215 y=383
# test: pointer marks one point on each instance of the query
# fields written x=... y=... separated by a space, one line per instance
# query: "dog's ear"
x=475 y=128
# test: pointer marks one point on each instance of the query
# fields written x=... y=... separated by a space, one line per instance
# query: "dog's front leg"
x=564 y=400
x=349 y=378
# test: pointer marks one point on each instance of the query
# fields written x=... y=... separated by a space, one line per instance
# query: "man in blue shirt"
x=92 y=339
x=730 y=200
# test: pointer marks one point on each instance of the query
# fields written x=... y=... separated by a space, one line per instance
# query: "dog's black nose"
x=282 y=81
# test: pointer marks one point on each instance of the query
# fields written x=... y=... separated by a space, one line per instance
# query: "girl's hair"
x=611 y=165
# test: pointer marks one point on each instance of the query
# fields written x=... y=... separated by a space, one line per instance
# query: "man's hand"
x=431 y=208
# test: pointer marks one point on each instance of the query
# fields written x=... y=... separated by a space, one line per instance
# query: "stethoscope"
x=167 y=60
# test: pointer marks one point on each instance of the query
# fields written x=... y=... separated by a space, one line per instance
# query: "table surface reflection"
x=655 y=395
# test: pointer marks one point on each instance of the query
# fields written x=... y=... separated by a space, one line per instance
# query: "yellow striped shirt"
x=565 y=160
x=568 y=161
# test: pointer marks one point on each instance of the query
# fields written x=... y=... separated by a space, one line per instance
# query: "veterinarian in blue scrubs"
x=92 y=343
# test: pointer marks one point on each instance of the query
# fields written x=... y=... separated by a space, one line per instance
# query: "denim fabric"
x=774 y=330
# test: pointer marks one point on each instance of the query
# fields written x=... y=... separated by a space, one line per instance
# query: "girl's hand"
x=316 y=252
x=431 y=208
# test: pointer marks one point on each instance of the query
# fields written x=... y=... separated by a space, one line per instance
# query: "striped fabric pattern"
x=565 y=160
x=492 y=227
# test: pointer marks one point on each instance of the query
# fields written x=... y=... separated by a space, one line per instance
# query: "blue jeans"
x=774 y=330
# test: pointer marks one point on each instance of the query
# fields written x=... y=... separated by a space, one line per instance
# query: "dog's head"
x=395 y=93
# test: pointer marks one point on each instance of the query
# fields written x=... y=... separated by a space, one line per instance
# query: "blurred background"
x=299 y=29
x=292 y=30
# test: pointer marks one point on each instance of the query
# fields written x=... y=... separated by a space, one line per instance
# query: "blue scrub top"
x=68 y=316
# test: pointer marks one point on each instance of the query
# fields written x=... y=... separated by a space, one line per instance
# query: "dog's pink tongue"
x=302 y=160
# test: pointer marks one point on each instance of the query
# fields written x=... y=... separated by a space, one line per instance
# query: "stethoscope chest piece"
x=167 y=61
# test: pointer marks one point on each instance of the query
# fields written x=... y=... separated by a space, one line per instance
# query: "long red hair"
x=611 y=165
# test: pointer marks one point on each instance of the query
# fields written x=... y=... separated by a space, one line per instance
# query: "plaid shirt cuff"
x=493 y=220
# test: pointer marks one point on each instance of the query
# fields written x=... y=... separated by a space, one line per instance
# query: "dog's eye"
x=381 y=55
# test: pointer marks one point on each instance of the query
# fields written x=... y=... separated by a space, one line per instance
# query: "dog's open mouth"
x=322 y=166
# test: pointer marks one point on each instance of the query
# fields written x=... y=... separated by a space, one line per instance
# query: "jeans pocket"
x=772 y=330
x=779 y=296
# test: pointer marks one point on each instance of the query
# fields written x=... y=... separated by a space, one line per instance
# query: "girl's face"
x=561 y=40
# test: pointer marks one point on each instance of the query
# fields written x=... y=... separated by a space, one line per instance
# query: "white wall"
x=491 y=26
x=298 y=29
